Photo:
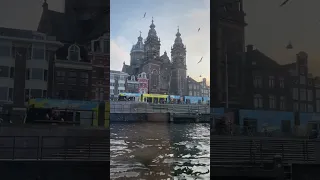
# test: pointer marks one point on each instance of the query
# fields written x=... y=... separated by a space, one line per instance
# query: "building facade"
x=271 y=86
x=164 y=75
x=26 y=59
x=196 y=88
x=132 y=84
x=117 y=83
x=228 y=60
x=143 y=83
x=82 y=64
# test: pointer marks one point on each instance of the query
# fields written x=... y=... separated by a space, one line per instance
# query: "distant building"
x=82 y=64
x=272 y=86
x=194 y=87
x=204 y=88
x=164 y=75
x=26 y=59
x=117 y=83
x=132 y=84
x=143 y=83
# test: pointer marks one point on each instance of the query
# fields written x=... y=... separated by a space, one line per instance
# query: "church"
x=166 y=75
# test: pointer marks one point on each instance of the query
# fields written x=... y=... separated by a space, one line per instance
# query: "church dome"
x=139 y=46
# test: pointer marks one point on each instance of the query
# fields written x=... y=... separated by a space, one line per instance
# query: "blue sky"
x=127 y=20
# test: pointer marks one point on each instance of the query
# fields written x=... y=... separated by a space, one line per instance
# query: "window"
x=302 y=80
x=27 y=74
x=38 y=53
x=3 y=93
x=36 y=93
x=60 y=76
x=26 y=94
x=310 y=108
x=271 y=81
x=121 y=85
x=317 y=93
x=106 y=47
x=318 y=105
x=72 y=78
x=74 y=53
x=37 y=74
x=272 y=102
x=111 y=91
x=44 y=94
x=257 y=82
x=84 y=78
x=303 y=107
x=45 y=75
x=282 y=103
x=11 y=72
x=10 y=97
x=281 y=82
x=4 y=71
x=111 y=84
x=303 y=95
x=295 y=94
x=302 y=70
x=122 y=78
x=295 y=106
x=5 y=51
x=111 y=76
x=310 y=95
x=258 y=101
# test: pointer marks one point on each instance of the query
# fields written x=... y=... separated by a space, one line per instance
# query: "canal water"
x=160 y=151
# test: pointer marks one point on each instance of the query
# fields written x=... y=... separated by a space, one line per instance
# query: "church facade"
x=165 y=75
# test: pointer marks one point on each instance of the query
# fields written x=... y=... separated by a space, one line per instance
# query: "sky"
x=269 y=28
x=190 y=15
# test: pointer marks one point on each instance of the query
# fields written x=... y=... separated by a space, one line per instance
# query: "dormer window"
x=74 y=53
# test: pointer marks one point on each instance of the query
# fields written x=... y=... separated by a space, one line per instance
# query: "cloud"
x=189 y=18
x=119 y=52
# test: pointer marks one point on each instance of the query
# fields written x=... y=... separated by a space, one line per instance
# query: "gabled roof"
x=261 y=59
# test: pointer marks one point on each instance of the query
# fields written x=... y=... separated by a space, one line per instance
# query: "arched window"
x=74 y=53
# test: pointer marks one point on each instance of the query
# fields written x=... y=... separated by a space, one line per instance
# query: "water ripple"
x=160 y=151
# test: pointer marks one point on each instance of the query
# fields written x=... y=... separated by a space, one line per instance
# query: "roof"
x=19 y=33
x=261 y=59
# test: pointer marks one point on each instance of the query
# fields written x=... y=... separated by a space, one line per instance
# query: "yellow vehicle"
x=154 y=98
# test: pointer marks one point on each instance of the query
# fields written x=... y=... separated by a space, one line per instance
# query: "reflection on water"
x=160 y=151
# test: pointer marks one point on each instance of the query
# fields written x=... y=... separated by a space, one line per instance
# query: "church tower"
x=137 y=55
x=152 y=44
x=179 y=67
x=152 y=61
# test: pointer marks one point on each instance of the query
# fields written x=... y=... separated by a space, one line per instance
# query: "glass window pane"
x=38 y=53
x=4 y=71
x=37 y=74
x=3 y=93
x=4 y=51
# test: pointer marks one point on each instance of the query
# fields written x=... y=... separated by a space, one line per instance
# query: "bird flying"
x=144 y=15
x=284 y=3
x=200 y=60
x=198 y=29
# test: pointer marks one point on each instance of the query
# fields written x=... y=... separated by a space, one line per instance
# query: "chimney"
x=249 y=48
x=45 y=6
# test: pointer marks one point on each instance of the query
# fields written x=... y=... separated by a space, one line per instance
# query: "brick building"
x=81 y=67
x=271 y=86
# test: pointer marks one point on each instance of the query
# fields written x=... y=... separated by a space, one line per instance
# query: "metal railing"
x=259 y=149
x=54 y=148
x=158 y=108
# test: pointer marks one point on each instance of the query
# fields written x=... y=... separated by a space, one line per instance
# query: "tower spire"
x=45 y=5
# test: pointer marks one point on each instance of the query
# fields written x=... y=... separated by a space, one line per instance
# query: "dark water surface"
x=160 y=151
